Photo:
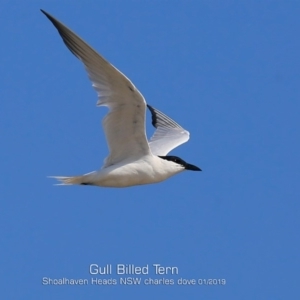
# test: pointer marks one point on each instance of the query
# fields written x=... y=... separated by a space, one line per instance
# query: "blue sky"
x=227 y=71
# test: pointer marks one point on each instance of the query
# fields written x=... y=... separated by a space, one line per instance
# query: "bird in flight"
x=132 y=159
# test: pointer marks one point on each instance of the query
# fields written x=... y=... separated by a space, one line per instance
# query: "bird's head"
x=180 y=162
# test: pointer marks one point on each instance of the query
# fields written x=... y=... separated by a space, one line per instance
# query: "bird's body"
x=133 y=160
x=145 y=170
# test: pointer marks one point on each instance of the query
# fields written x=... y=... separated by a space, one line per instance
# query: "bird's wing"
x=124 y=125
x=168 y=134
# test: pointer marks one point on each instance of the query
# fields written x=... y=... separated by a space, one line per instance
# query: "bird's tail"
x=68 y=180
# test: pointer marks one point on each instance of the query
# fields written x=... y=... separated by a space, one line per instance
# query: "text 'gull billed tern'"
x=133 y=160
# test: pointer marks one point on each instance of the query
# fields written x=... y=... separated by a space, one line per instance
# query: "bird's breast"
x=135 y=173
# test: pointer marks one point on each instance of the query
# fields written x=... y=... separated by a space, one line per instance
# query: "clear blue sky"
x=227 y=71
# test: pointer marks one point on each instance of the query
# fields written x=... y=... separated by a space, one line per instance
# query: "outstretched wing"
x=168 y=134
x=124 y=125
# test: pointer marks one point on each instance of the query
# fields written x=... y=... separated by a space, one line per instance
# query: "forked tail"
x=68 y=180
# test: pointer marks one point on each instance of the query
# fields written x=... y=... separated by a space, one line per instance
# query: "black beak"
x=192 y=168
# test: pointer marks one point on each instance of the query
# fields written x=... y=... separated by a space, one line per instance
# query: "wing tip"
x=153 y=115
x=46 y=14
